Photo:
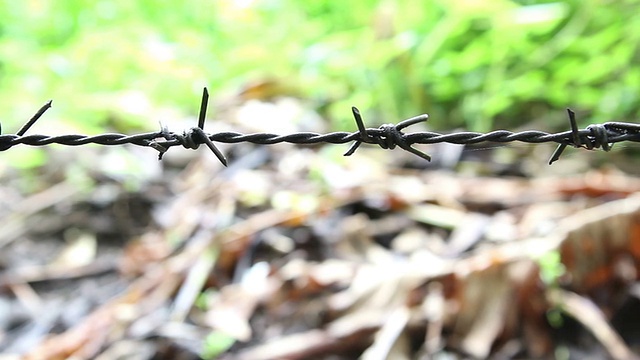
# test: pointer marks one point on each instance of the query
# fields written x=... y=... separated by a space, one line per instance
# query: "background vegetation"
x=476 y=64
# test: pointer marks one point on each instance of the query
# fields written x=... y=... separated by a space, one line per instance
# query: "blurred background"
x=308 y=240
x=478 y=65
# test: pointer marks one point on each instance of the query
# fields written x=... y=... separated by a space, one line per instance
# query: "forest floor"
x=300 y=253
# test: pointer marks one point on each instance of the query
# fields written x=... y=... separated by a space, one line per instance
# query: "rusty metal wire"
x=388 y=136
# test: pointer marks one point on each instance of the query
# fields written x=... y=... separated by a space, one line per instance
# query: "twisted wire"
x=302 y=138
x=388 y=136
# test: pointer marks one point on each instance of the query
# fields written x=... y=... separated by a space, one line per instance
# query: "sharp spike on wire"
x=213 y=148
x=575 y=138
x=415 y=151
x=408 y=122
x=204 y=137
x=361 y=129
x=353 y=148
x=556 y=154
x=390 y=138
x=203 y=108
x=34 y=118
x=414 y=120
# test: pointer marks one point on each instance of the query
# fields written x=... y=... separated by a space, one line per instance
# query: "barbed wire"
x=387 y=136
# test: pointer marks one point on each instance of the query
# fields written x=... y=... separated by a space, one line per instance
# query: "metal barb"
x=203 y=108
x=596 y=138
x=556 y=154
x=34 y=118
x=204 y=137
x=361 y=129
x=191 y=139
x=387 y=136
x=403 y=144
x=575 y=135
x=199 y=131
x=28 y=124
x=414 y=120
x=575 y=138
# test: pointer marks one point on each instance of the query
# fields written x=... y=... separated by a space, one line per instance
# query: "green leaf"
x=215 y=344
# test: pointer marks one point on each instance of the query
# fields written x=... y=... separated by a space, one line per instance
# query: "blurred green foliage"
x=478 y=64
x=216 y=343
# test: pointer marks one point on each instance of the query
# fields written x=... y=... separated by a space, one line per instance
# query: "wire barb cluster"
x=388 y=136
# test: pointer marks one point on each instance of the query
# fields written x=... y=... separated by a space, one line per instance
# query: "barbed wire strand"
x=387 y=136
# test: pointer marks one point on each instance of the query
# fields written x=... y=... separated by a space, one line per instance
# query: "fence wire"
x=387 y=136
